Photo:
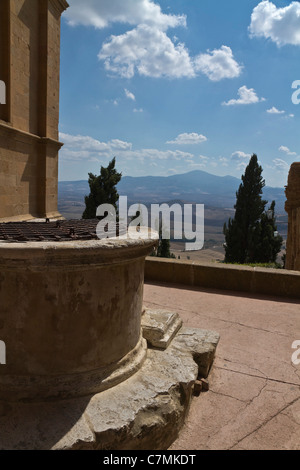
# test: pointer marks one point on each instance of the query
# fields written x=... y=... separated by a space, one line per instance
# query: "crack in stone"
x=296 y=370
x=247 y=404
x=255 y=373
x=245 y=365
x=276 y=332
x=229 y=396
x=291 y=418
x=284 y=363
x=264 y=423
x=257 y=376
x=258 y=395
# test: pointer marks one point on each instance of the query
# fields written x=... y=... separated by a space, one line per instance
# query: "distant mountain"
x=195 y=187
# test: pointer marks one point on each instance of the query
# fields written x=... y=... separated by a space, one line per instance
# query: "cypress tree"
x=164 y=246
x=269 y=241
x=163 y=250
x=250 y=237
x=102 y=190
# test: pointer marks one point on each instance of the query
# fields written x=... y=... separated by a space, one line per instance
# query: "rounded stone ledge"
x=43 y=388
x=76 y=254
x=54 y=216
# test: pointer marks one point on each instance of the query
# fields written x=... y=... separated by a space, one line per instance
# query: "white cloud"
x=147 y=50
x=117 y=144
x=274 y=110
x=241 y=166
x=281 y=25
x=223 y=161
x=241 y=159
x=129 y=95
x=159 y=154
x=136 y=110
x=188 y=139
x=197 y=166
x=78 y=148
x=246 y=96
x=281 y=165
x=87 y=148
x=240 y=156
x=286 y=150
x=85 y=143
x=218 y=64
x=203 y=159
x=101 y=14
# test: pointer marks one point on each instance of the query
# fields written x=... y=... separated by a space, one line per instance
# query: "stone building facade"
x=29 y=145
x=292 y=207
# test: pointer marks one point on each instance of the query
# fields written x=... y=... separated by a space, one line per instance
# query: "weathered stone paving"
x=254 y=396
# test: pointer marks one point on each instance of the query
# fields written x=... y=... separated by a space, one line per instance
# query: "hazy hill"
x=196 y=186
x=217 y=193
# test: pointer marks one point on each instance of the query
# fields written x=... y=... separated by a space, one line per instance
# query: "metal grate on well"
x=58 y=231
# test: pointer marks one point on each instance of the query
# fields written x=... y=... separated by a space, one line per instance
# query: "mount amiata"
x=196 y=187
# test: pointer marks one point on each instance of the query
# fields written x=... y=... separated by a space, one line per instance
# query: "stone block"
x=201 y=343
x=160 y=326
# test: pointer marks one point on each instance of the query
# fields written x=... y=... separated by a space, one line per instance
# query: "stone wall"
x=274 y=282
x=292 y=207
x=29 y=66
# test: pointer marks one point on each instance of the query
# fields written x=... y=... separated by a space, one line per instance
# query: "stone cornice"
x=60 y=5
x=7 y=127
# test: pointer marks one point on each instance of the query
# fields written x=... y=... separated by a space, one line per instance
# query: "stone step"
x=145 y=412
x=160 y=327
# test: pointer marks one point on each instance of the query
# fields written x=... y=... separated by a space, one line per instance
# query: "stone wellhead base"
x=146 y=411
x=70 y=315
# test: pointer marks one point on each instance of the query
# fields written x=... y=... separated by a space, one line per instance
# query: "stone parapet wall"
x=275 y=282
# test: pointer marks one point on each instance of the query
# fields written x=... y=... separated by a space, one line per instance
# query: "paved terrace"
x=254 y=397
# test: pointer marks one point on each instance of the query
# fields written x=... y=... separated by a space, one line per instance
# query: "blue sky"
x=171 y=86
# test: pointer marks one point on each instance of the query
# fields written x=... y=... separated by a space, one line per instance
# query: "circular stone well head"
x=70 y=315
